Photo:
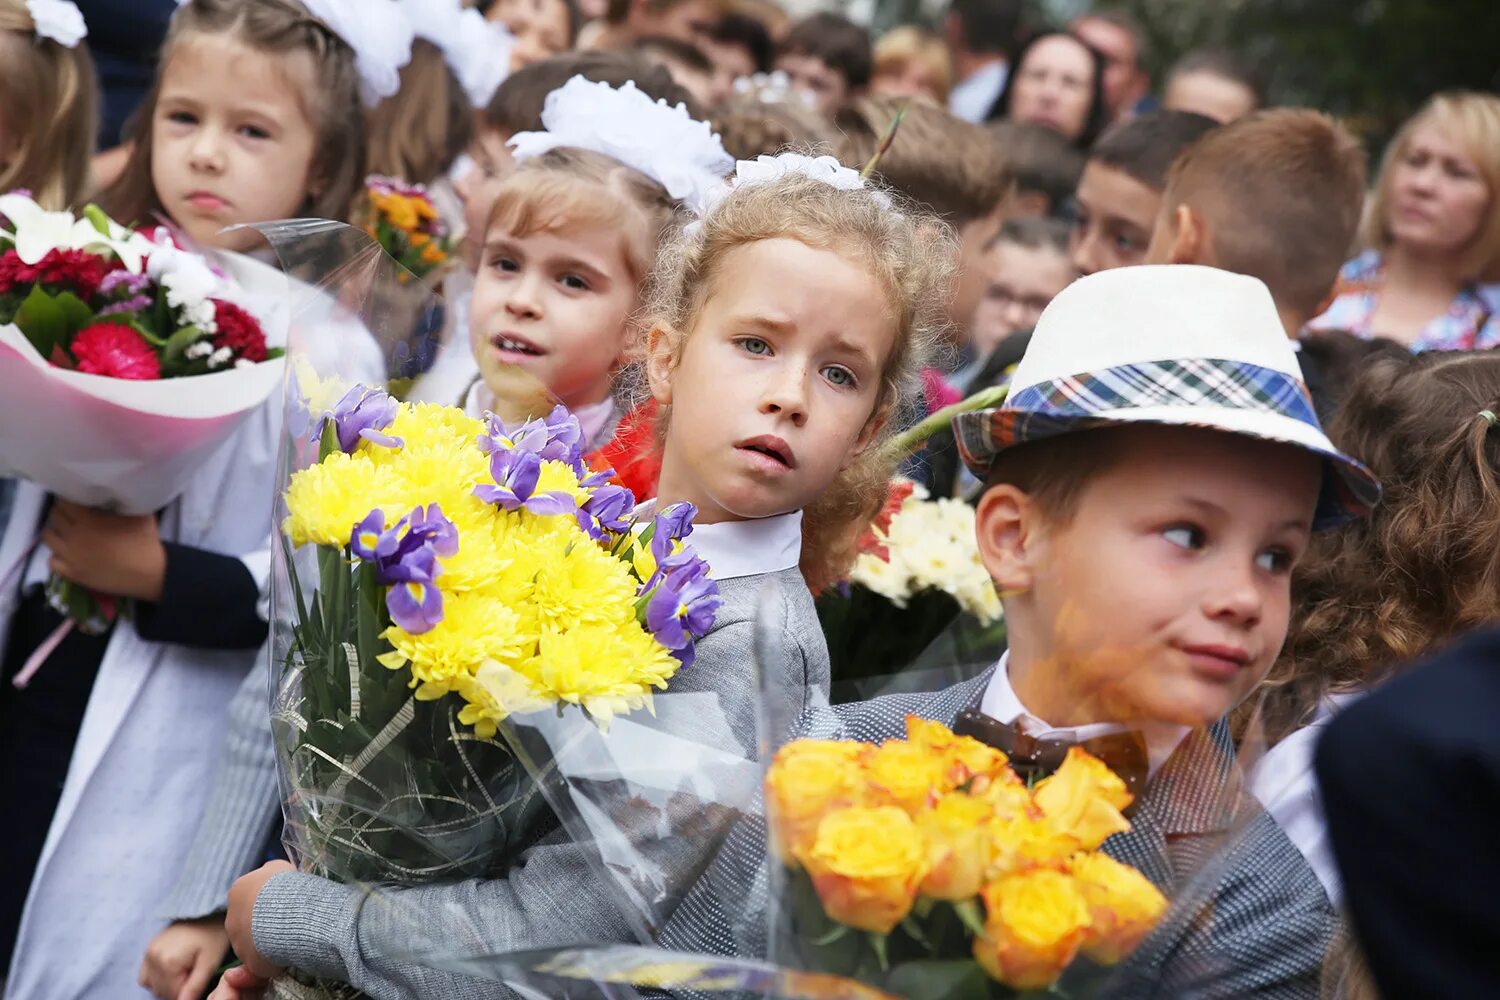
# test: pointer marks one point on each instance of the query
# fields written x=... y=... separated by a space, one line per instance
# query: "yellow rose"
x=1123 y=905
x=1034 y=925
x=807 y=779
x=958 y=846
x=964 y=758
x=905 y=774
x=866 y=864
x=1024 y=842
x=1084 y=798
x=1008 y=796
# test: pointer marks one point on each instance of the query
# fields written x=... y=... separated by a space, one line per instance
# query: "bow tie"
x=1033 y=759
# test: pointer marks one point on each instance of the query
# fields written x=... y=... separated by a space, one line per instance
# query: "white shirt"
x=1001 y=703
x=1284 y=783
x=972 y=97
x=743 y=548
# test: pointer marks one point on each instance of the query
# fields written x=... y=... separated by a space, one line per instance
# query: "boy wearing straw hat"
x=1154 y=475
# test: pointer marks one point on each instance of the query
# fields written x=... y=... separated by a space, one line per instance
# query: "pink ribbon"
x=39 y=656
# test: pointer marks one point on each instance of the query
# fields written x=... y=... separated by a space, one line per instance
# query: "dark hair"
x=836 y=41
x=272 y=26
x=517 y=105
x=750 y=34
x=1125 y=21
x=417 y=132
x=1096 y=120
x=988 y=25
x=1034 y=232
x=1424 y=566
x=951 y=167
x=1225 y=64
x=1040 y=159
x=653 y=47
x=1331 y=358
x=750 y=127
x=1146 y=147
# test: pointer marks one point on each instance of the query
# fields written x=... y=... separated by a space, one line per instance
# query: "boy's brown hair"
x=837 y=42
x=517 y=104
x=1281 y=192
x=1145 y=147
x=950 y=167
x=750 y=127
x=1040 y=159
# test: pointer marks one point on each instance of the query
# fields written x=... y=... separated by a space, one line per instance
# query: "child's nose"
x=207 y=151
x=785 y=395
x=525 y=299
x=1236 y=597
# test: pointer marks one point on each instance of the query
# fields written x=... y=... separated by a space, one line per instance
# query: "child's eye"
x=576 y=282
x=504 y=264
x=1276 y=560
x=254 y=132
x=839 y=376
x=1186 y=536
x=182 y=118
x=754 y=345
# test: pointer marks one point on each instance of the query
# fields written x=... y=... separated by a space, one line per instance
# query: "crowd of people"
x=1242 y=496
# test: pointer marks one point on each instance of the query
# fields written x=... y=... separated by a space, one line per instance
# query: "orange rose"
x=866 y=864
x=1034 y=924
x=807 y=779
x=1084 y=798
x=964 y=758
x=1024 y=842
x=958 y=846
x=905 y=774
x=1123 y=905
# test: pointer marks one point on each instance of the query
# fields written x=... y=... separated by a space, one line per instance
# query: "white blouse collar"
x=744 y=548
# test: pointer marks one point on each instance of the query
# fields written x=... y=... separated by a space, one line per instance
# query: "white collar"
x=744 y=548
x=1001 y=703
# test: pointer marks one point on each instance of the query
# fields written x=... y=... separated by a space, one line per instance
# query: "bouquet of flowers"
x=443 y=573
x=918 y=570
x=926 y=867
x=124 y=361
x=403 y=220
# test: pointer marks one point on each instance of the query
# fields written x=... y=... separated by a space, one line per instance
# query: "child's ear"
x=661 y=360
x=868 y=433
x=1190 y=240
x=1007 y=527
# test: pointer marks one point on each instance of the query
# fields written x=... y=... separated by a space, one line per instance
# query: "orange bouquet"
x=403 y=219
x=958 y=874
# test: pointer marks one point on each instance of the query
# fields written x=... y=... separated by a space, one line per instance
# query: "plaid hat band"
x=1195 y=382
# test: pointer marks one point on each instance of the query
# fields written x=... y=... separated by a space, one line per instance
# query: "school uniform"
x=1260 y=923
x=142 y=716
x=766 y=627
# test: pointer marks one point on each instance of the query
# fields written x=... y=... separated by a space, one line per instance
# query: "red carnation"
x=115 y=350
x=71 y=270
x=238 y=331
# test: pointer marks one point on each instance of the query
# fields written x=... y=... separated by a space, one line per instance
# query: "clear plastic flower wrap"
x=436 y=573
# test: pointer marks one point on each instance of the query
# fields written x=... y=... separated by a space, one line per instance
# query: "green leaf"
x=968 y=912
x=76 y=313
x=96 y=216
x=957 y=979
x=44 y=322
x=179 y=342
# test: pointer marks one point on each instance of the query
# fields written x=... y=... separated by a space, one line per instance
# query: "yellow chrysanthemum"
x=443 y=473
x=606 y=669
x=483 y=556
x=580 y=584
x=493 y=694
x=325 y=501
x=476 y=626
x=421 y=425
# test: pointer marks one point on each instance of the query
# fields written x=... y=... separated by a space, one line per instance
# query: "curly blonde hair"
x=910 y=255
x=1424 y=567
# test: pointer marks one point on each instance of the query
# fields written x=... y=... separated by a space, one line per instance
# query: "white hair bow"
x=59 y=20
x=477 y=50
x=663 y=142
x=769 y=168
x=377 y=32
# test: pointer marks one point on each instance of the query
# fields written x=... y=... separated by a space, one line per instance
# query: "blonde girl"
x=47 y=103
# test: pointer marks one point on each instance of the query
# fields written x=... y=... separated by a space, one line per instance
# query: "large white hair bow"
x=477 y=50
x=59 y=20
x=663 y=142
x=377 y=32
x=769 y=168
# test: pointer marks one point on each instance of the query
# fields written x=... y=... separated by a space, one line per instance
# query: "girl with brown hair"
x=47 y=103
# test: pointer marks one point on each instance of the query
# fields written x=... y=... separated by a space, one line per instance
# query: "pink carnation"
x=116 y=351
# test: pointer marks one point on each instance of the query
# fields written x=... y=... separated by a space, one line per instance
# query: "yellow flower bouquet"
x=926 y=867
x=403 y=220
x=446 y=573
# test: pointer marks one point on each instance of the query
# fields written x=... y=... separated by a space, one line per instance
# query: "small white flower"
x=198 y=349
x=244 y=363
x=769 y=168
x=59 y=20
x=218 y=357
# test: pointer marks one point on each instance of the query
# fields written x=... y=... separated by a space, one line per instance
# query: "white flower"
x=218 y=357
x=198 y=349
x=190 y=284
x=37 y=232
x=477 y=50
x=665 y=143
x=59 y=20
x=769 y=168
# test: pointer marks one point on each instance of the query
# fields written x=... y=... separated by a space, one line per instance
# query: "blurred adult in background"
x=1215 y=83
x=542 y=28
x=740 y=46
x=1057 y=81
x=1120 y=38
x=627 y=21
x=912 y=62
x=828 y=59
x=981 y=34
x=1431 y=276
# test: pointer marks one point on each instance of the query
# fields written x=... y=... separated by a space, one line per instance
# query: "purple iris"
x=415 y=605
x=434 y=530
x=683 y=606
x=362 y=414
x=606 y=510
x=405 y=556
x=557 y=438
x=516 y=474
x=371 y=541
x=671 y=526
